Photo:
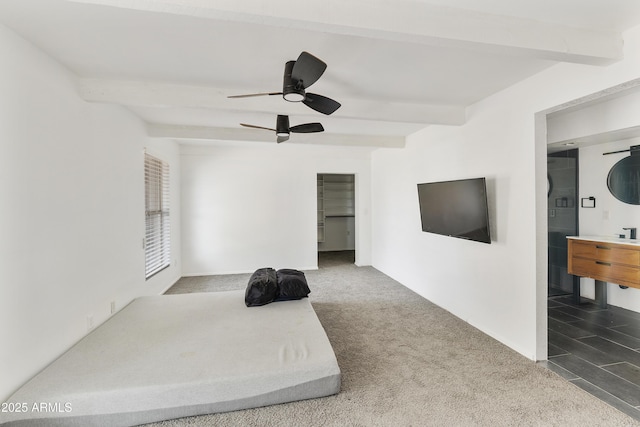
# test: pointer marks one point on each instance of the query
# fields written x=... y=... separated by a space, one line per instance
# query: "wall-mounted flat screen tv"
x=455 y=208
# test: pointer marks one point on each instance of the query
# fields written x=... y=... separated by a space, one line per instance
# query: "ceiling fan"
x=299 y=75
x=283 y=129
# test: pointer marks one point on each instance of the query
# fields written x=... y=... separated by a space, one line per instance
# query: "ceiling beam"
x=152 y=94
x=178 y=132
x=405 y=21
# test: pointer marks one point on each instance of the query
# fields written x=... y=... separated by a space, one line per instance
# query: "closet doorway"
x=336 y=213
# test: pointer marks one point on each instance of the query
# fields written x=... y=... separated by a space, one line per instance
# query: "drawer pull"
x=603 y=247
x=603 y=263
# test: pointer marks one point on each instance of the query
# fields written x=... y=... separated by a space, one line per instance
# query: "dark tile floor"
x=598 y=350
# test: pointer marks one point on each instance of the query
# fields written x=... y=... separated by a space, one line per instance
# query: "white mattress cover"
x=188 y=350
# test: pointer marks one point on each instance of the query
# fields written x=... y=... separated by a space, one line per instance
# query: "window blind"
x=157 y=241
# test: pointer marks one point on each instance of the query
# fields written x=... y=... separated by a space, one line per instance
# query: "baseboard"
x=230 y=272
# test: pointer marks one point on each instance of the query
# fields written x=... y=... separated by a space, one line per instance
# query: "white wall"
x=71 y=213
x=603 y=116
x=485 y=285
x=610 y=215
x=251 y=205
x=499 y=288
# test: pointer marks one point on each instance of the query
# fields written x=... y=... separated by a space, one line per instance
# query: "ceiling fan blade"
x=307 y=128
x=256 y=127
x=255 y=94
x=321 y=104
x=282 y=139
x=307 y=69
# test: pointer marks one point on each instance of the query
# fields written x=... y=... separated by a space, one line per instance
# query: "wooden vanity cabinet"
x=605 y=261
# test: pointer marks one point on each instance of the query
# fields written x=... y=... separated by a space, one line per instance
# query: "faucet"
x=633 y=232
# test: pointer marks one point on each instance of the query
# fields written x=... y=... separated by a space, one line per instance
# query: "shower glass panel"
x=562 y=192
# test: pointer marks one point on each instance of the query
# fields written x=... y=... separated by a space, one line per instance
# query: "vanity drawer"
x=606 y=271
x=606 y=253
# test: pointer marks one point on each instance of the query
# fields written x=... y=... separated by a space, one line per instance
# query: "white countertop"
x=607 y=239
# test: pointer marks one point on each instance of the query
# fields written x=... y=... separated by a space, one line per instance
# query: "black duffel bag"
x=262 y=287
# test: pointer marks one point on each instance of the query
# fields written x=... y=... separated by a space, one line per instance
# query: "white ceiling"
x=395 y=65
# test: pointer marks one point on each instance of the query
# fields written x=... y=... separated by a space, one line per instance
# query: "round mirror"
x=624 y=180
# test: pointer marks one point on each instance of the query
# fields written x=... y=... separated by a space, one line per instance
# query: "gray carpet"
x=406 y=362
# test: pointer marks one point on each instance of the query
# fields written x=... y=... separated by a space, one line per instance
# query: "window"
x=157 y=242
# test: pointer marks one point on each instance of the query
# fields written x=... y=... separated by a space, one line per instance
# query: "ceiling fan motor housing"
x=292 y=90
x=282 y=125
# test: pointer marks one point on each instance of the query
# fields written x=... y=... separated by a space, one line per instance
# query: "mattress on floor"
x=171 y=356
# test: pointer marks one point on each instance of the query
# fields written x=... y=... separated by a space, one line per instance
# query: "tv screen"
x=455 y=208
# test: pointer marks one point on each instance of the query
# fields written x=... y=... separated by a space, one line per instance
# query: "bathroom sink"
x=610 y=239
